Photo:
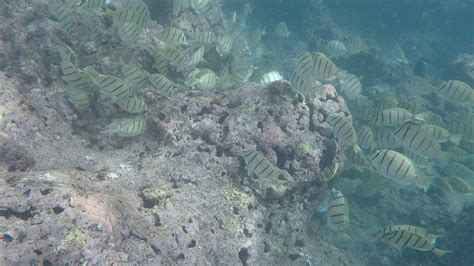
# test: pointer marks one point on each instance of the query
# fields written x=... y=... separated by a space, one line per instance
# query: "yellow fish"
x=411 y=237
x=282 y=30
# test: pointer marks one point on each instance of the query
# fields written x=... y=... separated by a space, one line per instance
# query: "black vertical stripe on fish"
x=337 y=205
x=416 y=243
x=257 y=165
x=383 y=157
x=263 y=170
x=399 y=238
x=390 y=163
x=422 y=142
x=406 y=171
x=408 y=240
x=270 y=173
x=400 y=167
x=255 y=162
x=392 y=236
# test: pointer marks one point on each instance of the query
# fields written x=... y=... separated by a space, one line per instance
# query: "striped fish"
x=129 y=127
x=130 y=19
x=338 y=212
x=385 y=139
x=410 y=237
x=396 y=116
x=78 y=98
x=441 y=134
x=351 y=86
x=63 y=14
x=140 y=15
x=75 y=77
x=270 y=77
x=459 y=169
x=303 y=84
x=135 y=17
x=460 y=185
x=161 y=64
x=355 y=45
x=366 y=138
x=328 y=173
x=134 y=76
x=259 y=166
x=197 y=57
x=462 y=126
x=205 y=37
x=344 y=131
x=206 y=79
x=336 y=48
x=133 y=105
x=174 y=56
x=172 y=35
x=240 y=73
x=323 y=68
x=224 y=45
x=257 y=34
x=162 y=84
x=416 y=85
x=257 y=52
x=282 y=30
x=202 y=7
x=415 y=139
x=456 y=91
x=399 y=54
x=305 y=64
x=397 y=167
x=113 y=87
x=191 y=79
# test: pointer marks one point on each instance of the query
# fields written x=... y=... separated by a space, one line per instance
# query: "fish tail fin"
x=422 y=116
x=455 y=139
x=343 y=236
x=440 y=252
x=356 y=148
x=424 y=182
x=341 y=75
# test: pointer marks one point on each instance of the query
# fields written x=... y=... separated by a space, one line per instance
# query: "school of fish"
x=394 y=133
